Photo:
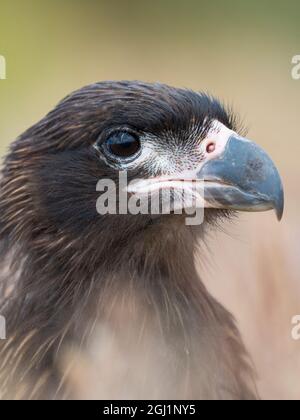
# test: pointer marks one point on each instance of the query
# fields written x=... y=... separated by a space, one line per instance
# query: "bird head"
x=158 y=135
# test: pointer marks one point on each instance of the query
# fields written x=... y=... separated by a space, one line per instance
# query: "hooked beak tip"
x=279 y=205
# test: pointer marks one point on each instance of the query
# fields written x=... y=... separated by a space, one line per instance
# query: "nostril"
x=211 y=147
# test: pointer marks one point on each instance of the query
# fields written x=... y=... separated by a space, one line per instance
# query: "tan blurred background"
x=238 y=50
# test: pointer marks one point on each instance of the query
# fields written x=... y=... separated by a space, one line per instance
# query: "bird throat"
x=144 y=322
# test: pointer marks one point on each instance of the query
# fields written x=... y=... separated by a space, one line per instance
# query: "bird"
x=66 y=269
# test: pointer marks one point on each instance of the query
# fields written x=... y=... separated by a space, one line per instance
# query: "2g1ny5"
x=171 y=409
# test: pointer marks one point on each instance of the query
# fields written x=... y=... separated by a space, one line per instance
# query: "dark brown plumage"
x=66 y=269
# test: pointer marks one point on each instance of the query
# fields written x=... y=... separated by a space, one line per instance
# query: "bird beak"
x=233 y=173
x=242 y=177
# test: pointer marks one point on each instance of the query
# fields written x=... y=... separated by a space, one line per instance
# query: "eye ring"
x=122 y=145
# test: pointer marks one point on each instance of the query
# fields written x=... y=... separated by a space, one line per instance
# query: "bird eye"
x=123 y=144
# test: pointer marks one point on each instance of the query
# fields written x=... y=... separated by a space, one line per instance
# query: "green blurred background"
x=238 y=50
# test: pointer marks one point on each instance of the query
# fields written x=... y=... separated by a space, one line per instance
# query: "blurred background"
x=238 y=50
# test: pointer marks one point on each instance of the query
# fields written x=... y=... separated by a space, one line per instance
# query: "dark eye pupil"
x=123 y=144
